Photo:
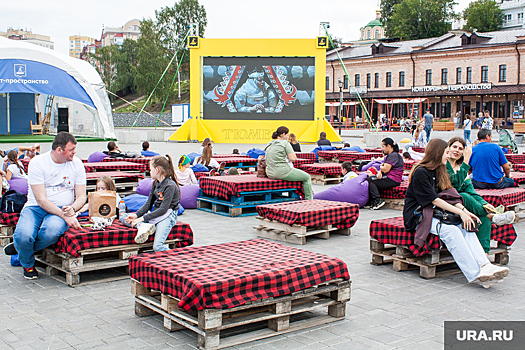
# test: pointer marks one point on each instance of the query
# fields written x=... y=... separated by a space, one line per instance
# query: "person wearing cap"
x=146 y=152
x=185 y=176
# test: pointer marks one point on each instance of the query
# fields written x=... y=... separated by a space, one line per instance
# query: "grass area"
x=42 y=139
x=154 y=105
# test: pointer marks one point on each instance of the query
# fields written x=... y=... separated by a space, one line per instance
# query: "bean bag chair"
x=322 y=148
x=192 y=156
x=255 y=153
x=354 y=149
x=350 y=191
x=406 y=140
x=19 y=185
x=199 y=168
x=96 y=157
x=374 y=163
x=144 y=187
x=188 y=196
x=135 y=201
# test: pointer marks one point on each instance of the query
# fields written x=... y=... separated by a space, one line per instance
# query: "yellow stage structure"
x=253 y=130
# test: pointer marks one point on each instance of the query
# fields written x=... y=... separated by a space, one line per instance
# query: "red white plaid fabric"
x=231 y=156
x=518 y=167
x=392 y=231
x=299 y=162
x=227 y=186
x=516 y=158
x=333 y=169
x=519 y=178
x=397 y=192
x=505 y=196
x=9 y=219
x=140 y=160
x=73 y=241
x=418 y=149
x=114 y=166
x=306 y=155
x=312 y=213
x=374 y=149
x=199 y=174
x=114 y=174
x=409 y=164
x=227 y=275
x=328 y=155
x=347 y=156
x=233 y=161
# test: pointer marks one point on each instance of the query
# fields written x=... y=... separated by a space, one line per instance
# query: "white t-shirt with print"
x=59 y=179
x=15 y=170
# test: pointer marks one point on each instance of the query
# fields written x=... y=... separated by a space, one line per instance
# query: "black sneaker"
x=2 y=154
x=10 y=249
x=30 y=273
x=378 y=204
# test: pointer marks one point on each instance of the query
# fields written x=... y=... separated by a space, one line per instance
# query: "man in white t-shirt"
x=57 y=189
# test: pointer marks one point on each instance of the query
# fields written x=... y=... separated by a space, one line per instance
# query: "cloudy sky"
x=226 y=19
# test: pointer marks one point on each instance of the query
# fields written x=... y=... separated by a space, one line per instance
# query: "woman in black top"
x=295 y=144
x=427 y=179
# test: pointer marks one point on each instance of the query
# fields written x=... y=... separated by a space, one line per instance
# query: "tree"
x=419 y=19
x=104 y=62
x=483 y=15
x=126 y=62
x=337 y=43
x=387 y=10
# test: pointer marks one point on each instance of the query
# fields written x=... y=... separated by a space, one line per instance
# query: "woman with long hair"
x=419 y=138
x=206 y=159
x=427 y=179
x=294 y=142
x=467 y=128
x=205 y=143
x=279 y=156
x=15 y=169
x=457 y=169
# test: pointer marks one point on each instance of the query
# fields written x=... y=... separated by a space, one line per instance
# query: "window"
x=503 y=73
x=376 y=83
x=458 y=75
x=508 y=18
x=357 y=80
x=327 y=83
x=368 y=34
x=369 y=80
x=520 y=15
x=429 y=77
x=388 y=79
x=376 y=34
x=469 y=75
x=444 y=76
x=345 y=82
x=485 y=74
x=401 y=78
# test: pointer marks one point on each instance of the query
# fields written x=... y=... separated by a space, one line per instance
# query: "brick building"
x=457 y=72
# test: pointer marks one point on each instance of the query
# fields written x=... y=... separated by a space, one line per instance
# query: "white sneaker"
x=504 y=219
x=491 y=271
x=144 y=231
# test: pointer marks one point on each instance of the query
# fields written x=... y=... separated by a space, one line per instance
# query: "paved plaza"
x=387 y=310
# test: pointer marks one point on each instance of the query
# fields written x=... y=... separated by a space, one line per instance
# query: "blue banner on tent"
x=40 y=78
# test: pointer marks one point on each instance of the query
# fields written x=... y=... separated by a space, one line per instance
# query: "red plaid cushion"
x=141 y=160
x=374 y=149
x=227 y=186
x=299 y=162
x=73 y=241
x=328 y=155
x=116 y=165
x=409 y=164
x=519 y=178
x=418 y=149
x=231 y=156
x=516 y=158
x=312 y=212
x=392 y=231
x=227 y=275
x=505 y=196
x=333 y=169
x=114 y=175
x=199 y=174
x=518 y=167
x=306 y=155
x=233 y=161
x=397 y=192
x=347 y=156
x=9 y=219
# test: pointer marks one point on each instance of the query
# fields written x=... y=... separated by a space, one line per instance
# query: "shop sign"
x=436 y=88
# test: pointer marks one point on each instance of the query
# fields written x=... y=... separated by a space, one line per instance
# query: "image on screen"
x=258 y=88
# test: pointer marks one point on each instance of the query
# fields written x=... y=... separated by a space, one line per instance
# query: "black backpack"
x=12 y=202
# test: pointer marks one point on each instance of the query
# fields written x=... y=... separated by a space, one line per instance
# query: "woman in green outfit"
x=279 y=158
x=458 y=168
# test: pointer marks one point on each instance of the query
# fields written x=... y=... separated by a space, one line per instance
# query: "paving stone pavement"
x=388 y=310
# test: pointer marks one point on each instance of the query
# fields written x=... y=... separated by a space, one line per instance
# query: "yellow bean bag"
x=405 y=140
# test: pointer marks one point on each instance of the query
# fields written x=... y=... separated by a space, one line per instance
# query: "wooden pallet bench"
x=245 y=204
x=325 y=179
x=259 y=319
x=67 y=268
x=295 y=234
x=6 y=234
x=438 y=263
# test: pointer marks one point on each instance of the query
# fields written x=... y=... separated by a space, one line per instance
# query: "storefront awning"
x=337 y=104
x=400 y=100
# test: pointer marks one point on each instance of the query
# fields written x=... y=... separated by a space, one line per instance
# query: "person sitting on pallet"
x=429 y=186
x=57 y=189
x=14 y=169
x=207 y=160
x=457 y=169
x=146 y=152
x=486 y=161
x=185 y=175
x=389 y=176
x=279 y=156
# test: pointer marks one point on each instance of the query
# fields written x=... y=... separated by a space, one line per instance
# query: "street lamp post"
x=340 y=105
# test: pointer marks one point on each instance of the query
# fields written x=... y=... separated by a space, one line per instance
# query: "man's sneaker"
x=504 y=219
x=221 y=167
x=2 y=154
x=367 y=206
x=10 y=249
x=144 y=231
x=213 y=172
x=490 y=272
x=378 y=204
x=30 y=273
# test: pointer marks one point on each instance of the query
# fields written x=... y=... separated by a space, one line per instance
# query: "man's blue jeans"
x=507 y=182
x=36 y=230
x=428 y=129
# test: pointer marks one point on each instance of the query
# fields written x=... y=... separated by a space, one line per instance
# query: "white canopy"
x=400 y=100
x=81 y=71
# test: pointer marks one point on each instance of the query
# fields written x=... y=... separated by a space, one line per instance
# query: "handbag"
x=261 y=166
x=446 y=217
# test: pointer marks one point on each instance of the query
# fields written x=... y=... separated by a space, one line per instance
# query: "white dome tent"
x=30 y=69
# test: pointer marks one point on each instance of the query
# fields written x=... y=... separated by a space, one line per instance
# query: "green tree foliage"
x=104 y=62
x=419 y=19
x=483 y=15
x=126 y=64
x=387 y=10
x=336 y=43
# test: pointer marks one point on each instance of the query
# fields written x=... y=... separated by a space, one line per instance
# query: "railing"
x=513 y=22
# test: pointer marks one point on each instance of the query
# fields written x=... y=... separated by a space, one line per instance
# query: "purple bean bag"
x=350 y=191
x=96 y=157
x=144 y=187
x=18 y=184
x=374 y=163
x=188 y=196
